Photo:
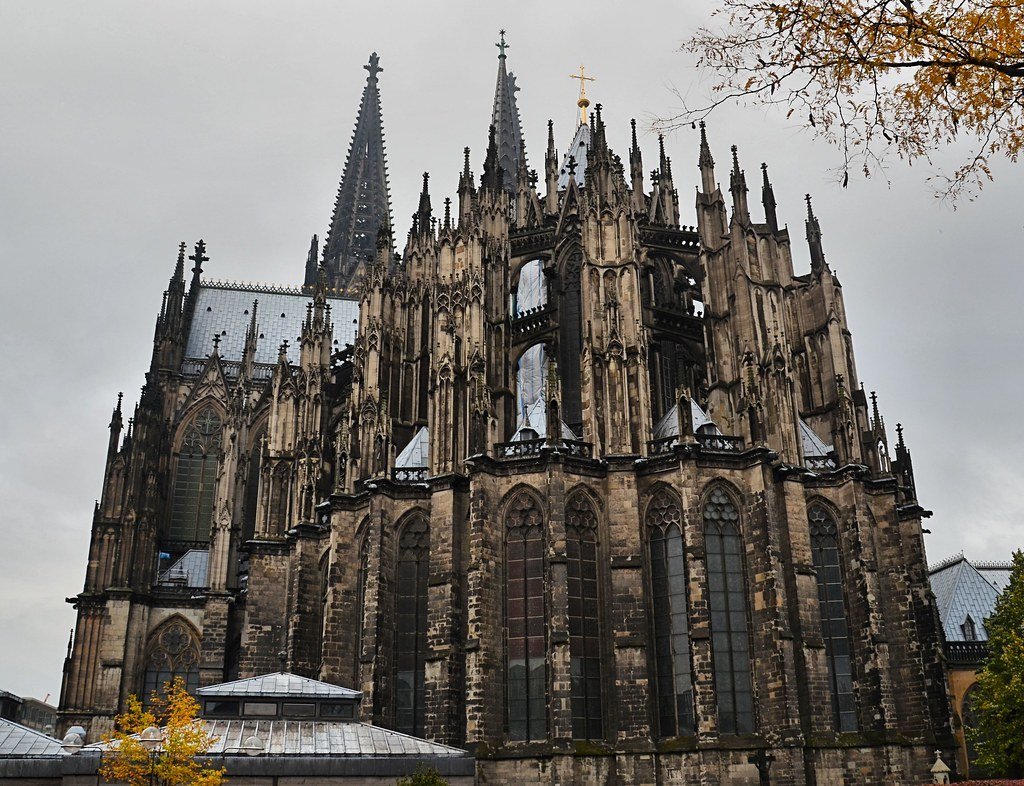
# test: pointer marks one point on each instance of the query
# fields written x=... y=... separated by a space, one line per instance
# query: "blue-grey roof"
x=577 y=150
x=668 y=426
x=963 y=590
x=280 y=684
x=189 y=571
x=225 y=310
x=417 y=452
x=17 y=740
x=813 y=445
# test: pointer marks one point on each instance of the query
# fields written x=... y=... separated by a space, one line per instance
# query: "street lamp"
x=151 y=738
x=253 y=746
x=72 y=743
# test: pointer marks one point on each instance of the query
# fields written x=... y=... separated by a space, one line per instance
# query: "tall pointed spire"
x=364 y=200
x=706 y=163
x=505 y=121
x=814 y=238
x=738 y=187
x=768 y=200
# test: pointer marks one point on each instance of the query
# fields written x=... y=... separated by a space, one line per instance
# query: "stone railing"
x=577 y=447
x=532 y=320
x=519 y=448
x=409 y=474
x=720 y=443
x=662 y=446
x=820 y=463
x=966 y=653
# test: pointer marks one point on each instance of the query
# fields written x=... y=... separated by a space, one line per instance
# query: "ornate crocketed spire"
x=364 y=200
x=814 y=238
x=505 y=120
x=706 y=162
x=768 y=200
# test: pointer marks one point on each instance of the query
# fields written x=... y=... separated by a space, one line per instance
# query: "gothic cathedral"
x=591 y=493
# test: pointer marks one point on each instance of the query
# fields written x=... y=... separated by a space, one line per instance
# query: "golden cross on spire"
x=583 y=102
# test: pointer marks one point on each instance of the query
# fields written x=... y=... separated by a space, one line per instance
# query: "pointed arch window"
x=584 y=619
x=172 y=652
x=362 y=574
x=525 y=619
x=252 y=485
x=195 y=479
x=411 y=626
x=727 y=603
x=969 y=629
x=673 y=671
x=834 y=621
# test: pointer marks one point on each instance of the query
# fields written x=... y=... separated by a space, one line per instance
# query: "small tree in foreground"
x=422 y=776
x=174 y=762
x=998 y=698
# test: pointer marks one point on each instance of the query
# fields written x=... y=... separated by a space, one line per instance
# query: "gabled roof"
x=962 y=590
x=281 y=685
x=668 y=426
x=812 y=443
x=417 y=452
x=17 y=741
x=577 y=151
x=537 y=419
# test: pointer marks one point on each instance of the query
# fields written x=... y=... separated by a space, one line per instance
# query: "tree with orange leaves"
x=877 y=77
x=180 y=740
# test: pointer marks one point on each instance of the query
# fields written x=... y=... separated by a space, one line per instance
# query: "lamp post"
x=72 y=743
x=151 y=739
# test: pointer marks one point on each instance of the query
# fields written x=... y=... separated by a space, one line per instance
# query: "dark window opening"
x=584 y=619
x=411 y=627
x=195 y=480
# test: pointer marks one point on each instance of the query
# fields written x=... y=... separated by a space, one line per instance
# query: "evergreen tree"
x=999 y=695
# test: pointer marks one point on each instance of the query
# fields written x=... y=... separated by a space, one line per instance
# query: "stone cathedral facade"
x=592 y=493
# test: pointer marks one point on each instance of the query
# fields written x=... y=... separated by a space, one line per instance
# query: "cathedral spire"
x=363 y=200
x=423 y=213
x=505 y=121
x=636 y=168
x=768 y=200
x=492 y=178
x=311 y=259
x=551 y=172
x=814 y=238
x=706 y=163
x=738 y=187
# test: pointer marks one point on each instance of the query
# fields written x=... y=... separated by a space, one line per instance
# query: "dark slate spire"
x=505 y=121
x=363 y=201
x=423 y=214
x=492 y=178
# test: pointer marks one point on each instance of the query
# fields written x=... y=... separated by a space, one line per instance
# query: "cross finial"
x=216 y=342
x=502 y=46
x=583 y=101
x=373 y=66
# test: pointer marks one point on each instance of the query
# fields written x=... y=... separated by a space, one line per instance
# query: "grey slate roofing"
x=17 y=740
x=577 y=150
x=668 y=426
x=417 y=452
x=309 y=738
x=536 y=420
x=812 y=443
x=962 y=589
x=279 y=684
x=225 y=310
x=189 y=571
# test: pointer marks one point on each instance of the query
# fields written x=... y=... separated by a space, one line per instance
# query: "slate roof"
x=812 y=443
x=537 y=419
x=963 y=589
x=322 y=738
x=668 y=426
x=225 y=310
x=17 y=741
x=577 y=150
x=280 y=684
x=417 y=452
x=189 y=571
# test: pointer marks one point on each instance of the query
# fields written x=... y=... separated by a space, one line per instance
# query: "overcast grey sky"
x=127 y=127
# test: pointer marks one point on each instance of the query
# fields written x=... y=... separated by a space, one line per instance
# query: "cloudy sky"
x=127 y=127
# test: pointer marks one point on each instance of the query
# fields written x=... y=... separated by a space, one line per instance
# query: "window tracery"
x=525 y=621
x=173 y=652
x=727 y=603
x=411 y=626
x=673 y=671
x=195 y=479
x=584 y=619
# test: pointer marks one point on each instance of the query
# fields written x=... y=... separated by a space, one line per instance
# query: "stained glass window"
x=834 y=626
x=173 y=652
x=411 y=626
x=673 y=673
x=525 y=616
x=195 y=480
x=584 y=620
x=727 y=603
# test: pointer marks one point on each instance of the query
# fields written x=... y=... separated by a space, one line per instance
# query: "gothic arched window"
x=673 y=672
x=834 y=625
x=411 y=626
x=173 y=652
x=195 y=479
x=362 y=574
x=584 y=620
x=525 y=621
x=727 y=602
